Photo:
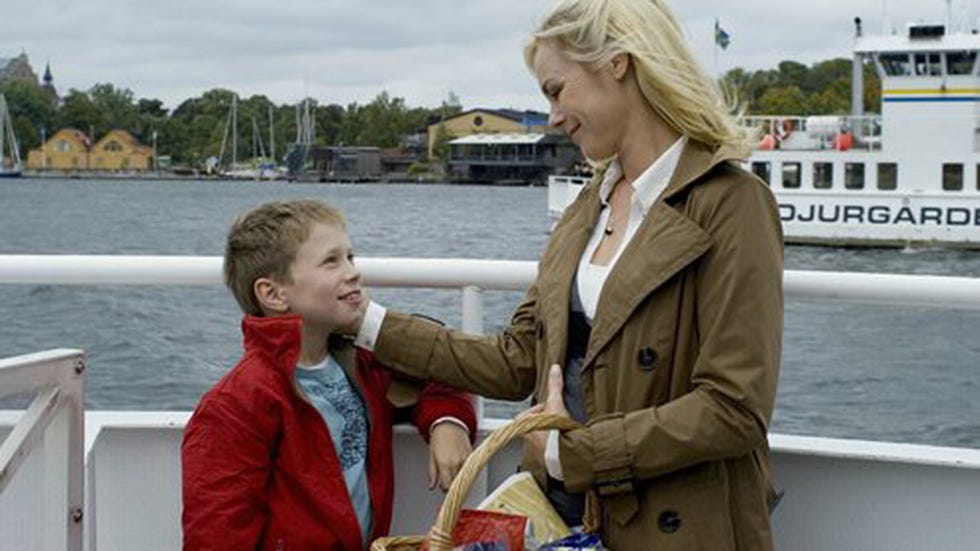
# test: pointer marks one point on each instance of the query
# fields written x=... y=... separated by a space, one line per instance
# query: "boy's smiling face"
x=326 y=286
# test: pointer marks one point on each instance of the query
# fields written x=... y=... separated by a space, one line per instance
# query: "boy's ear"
x=270 y=296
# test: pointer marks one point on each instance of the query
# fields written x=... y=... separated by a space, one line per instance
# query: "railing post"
x=53 y=426
x=473 y=323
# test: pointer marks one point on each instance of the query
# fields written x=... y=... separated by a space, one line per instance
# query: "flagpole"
x=714 y=48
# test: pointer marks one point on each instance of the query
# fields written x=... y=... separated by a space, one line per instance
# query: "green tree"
x=440 y=145
x=30 y=111
x=783 y=100
x=116 y=108
x=79 y=112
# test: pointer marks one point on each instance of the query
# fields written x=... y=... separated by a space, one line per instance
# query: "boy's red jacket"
x=259 y=466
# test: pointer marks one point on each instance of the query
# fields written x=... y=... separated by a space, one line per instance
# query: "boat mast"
x=857 y=75
x=7 y=136
x=272 y=136
x=234 y=130
x=3 y=127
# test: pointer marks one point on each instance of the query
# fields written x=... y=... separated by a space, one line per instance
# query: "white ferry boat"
x=908 y=178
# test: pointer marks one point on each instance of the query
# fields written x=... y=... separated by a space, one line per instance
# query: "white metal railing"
x=818 y=132
x=470 y=276
x=835 y=491
x=53 y=424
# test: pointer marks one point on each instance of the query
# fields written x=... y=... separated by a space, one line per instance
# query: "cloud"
x=342 y=51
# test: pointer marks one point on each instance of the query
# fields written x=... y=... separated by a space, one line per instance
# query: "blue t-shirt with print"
x=342 y=409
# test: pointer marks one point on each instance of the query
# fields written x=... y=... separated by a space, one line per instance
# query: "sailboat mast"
x=234 y=130
x=272 y=136
x=3 y=128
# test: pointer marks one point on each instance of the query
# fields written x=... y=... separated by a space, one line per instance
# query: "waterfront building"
x=72 y=150
x=119 y=150
x=487 y=121
x=508 y=158
x=354 y=164
x=67 y=149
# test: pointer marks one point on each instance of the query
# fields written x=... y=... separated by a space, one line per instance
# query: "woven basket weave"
x=440 y=537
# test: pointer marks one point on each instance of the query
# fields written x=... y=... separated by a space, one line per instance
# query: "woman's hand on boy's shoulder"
x=449 y=446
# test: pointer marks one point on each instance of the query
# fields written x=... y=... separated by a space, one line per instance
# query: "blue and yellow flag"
x=722 y=37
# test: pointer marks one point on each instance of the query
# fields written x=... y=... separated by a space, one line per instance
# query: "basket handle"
x=440 y=537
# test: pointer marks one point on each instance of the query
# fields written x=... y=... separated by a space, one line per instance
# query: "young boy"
x=291 y=450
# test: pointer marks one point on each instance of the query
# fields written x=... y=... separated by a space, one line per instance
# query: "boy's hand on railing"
x=449 y=446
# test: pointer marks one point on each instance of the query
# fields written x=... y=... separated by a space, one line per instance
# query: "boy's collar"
x=281 y=337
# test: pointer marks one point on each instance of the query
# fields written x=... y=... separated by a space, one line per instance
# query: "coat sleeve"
x=739 y=312
x=226 y=460
x=422 y=402
x=437 y=401
x=498 y=366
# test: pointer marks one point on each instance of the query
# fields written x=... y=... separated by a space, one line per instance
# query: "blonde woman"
x=658 y=299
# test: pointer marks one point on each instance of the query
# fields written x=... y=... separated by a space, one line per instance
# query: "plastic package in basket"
x=487 y=531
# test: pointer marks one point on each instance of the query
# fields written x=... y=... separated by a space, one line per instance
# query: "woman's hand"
x=449 y=446
x=553 y=404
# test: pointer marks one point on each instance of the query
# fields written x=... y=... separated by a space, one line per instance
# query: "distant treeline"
x=795 y=89
x=194 y=130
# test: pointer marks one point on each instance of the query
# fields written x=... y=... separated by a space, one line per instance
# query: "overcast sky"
x=339 y=51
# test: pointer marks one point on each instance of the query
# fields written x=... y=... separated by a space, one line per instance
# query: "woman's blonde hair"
x=592 y=32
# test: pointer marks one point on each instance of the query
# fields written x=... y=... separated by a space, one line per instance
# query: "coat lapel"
x=666 y=242
x=556 y=282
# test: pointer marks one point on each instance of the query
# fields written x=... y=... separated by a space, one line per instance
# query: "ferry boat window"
x=791 y=175
x=928 y=65
x=896 y=65
x=762 y=170
x=960 y=63
x=823 y=175
x=854 y=175
x=887 y=176
x=952 y=177
x=978 y=177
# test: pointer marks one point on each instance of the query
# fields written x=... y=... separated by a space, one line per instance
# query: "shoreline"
x=307 y=178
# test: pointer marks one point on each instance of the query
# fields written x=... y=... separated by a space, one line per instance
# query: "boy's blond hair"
x=264 y=241
x=592 y=32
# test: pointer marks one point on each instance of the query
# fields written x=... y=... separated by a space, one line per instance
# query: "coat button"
x=647 y=358
x=669 y=521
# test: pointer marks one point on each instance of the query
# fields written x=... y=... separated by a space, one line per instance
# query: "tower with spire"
x=48 y=83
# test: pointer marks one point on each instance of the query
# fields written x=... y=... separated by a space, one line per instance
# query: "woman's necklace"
x=611 y=221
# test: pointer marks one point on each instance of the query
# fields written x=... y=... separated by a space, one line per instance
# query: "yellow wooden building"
x=72 y=150
x=67 y=149
x=493 y=121
x=119 y=150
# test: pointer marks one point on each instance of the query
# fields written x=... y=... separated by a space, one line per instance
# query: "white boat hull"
x=881 y=220
x=853 y=218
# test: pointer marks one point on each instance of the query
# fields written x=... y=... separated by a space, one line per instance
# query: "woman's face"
x=587 y=105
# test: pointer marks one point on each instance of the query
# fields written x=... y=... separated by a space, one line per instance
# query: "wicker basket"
x=440 y=537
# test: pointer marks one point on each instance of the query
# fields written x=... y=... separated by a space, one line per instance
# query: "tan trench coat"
x=679 y=378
